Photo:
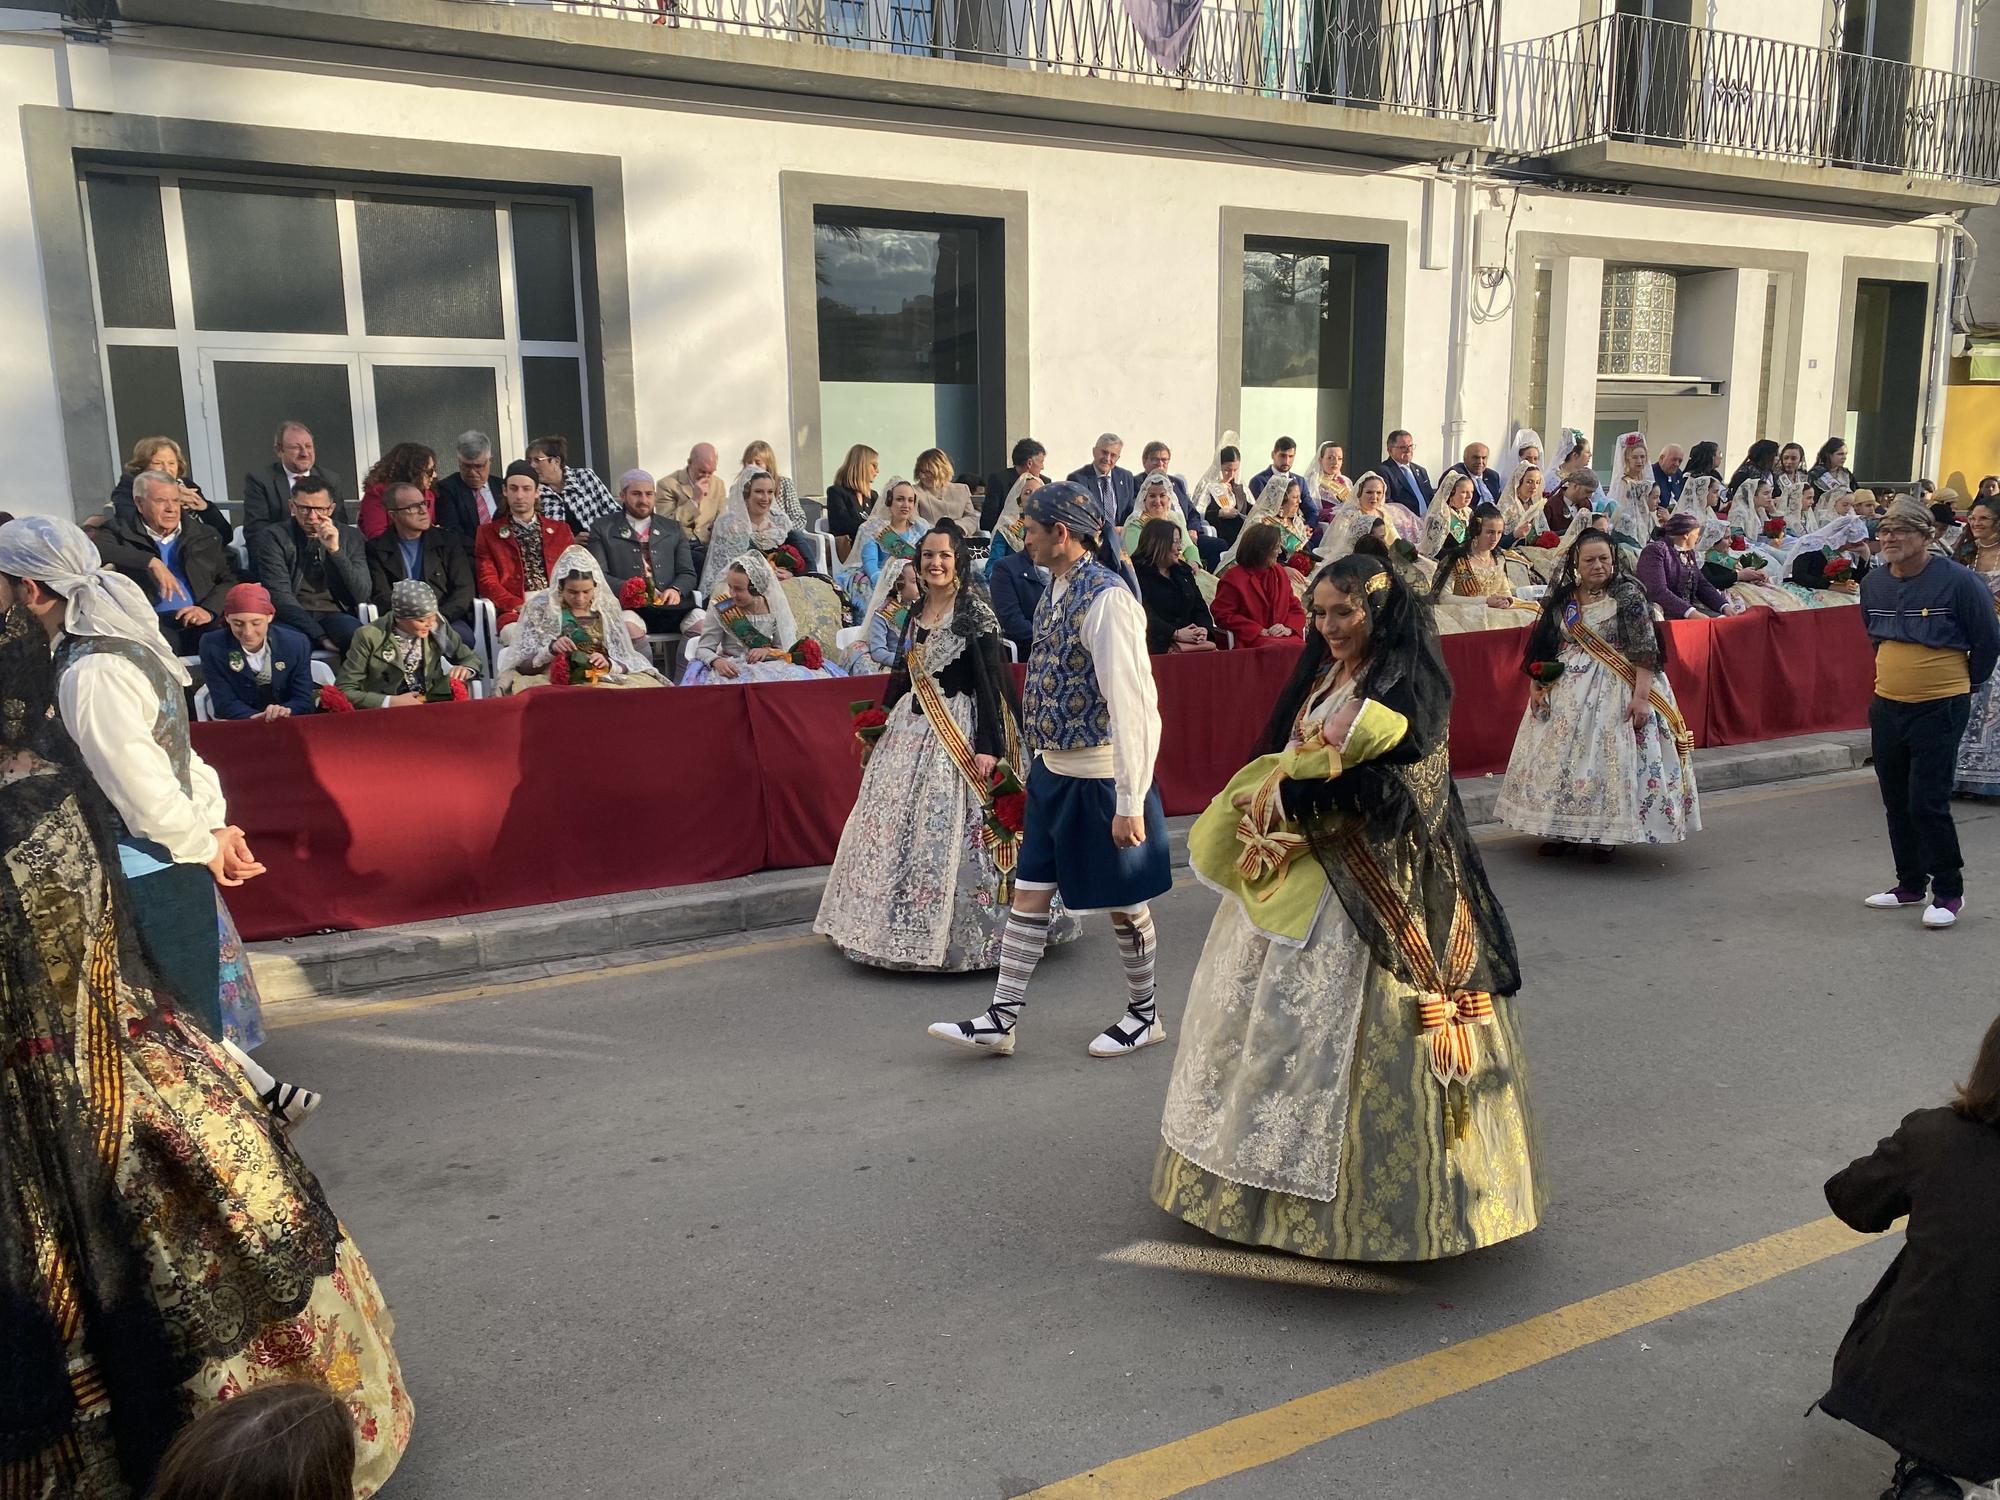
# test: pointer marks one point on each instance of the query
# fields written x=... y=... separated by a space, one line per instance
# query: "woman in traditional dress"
x=1572 y=461
x=1282 y=507
x=1475 y=584
x=1844 y=533
x=577 y=619
x=785 y=502
x=162 y=1247
x=1329 y=486
x=1791 y=491
x=749 y=634
x=1603 y=756
x=1738 y=568
x=1371 y=505
x=1829 y=472
x=882 y=627
x=1350 y=1083
x=1631 y=490
x=921 y=880
x=897 y=537
x=1979 y=752
x=750 y=523
x=1526 y=448
x=1220 y=494
x=1156 y=501
x=1010 y=527
x=1450 y=513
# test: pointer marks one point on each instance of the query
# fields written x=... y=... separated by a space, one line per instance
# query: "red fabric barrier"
x=402 y=815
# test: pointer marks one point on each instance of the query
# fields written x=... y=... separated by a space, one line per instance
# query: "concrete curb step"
x=567 y=935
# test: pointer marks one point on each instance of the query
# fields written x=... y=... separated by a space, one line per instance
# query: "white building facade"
x=904 y=222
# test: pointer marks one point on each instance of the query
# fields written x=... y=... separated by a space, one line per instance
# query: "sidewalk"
x=579 y=936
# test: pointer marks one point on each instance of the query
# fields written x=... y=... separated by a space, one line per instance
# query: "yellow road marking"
x=1266 y=1436
x=1253 y=1265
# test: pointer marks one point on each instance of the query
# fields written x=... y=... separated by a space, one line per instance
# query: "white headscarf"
x=877 y=519
x=1697 y=501
x=1210 y=482
x=1315 y=480
x=1265 y=513
x=101 y=602
x=781 y=628
x=1629 y=511
x=735 y=533
x=541 y=616
x=1156 y=482
x=1010 y=512
x=885 y=585
x=1524 y=437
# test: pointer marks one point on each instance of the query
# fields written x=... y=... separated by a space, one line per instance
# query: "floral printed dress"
x=1979 y=751
x=1579 y=773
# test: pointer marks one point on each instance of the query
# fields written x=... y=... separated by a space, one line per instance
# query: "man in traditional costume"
x=119 y=691
x=1094 y=829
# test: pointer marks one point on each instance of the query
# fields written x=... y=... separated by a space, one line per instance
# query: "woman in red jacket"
x=1254 y=600
x=406 y=463
x=514 y=551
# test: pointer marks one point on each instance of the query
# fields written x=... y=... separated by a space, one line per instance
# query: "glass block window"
x=1636 y=334
x=1536 y=412
x=376 y=316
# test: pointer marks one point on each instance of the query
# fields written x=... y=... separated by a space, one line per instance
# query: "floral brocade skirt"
x=1979 y=752
x=699 y=673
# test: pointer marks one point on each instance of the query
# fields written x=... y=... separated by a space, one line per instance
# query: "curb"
x=566 y=934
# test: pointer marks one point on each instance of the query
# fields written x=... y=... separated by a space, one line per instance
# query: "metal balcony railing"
x=1432 y=58
x=1665 y=83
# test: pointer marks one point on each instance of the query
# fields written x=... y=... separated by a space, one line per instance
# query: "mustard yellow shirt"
x=1909 y=673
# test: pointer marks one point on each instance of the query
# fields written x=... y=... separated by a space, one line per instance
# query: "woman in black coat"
x=1177 y=617
x=1920 y=1367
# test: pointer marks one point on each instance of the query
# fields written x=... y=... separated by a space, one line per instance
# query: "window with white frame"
x=375 y=315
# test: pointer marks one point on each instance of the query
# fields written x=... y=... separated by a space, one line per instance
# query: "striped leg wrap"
x=1021 y=945
x=1137 y=946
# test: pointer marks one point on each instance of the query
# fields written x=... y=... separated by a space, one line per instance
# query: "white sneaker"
x=980 y=1034
x=1893 y=899
x=1125 y=1035
x=1943 y=913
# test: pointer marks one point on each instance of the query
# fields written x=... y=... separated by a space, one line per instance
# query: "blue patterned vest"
x=1062 y=707
x=170 y=722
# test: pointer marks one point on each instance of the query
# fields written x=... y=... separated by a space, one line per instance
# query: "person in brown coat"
x=1920 y=1366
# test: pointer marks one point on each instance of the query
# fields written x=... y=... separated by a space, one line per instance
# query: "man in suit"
x=1408 y=483
x=1486 y=482
x=414 y=549
x=315 y=567
x=257 y=669
x=636 y=543
x=267 y=493
x=184 y=570
x=1115 y=489
x=1284 y=453
x=1029 y=456
x=469 y=499
x=1017 y=585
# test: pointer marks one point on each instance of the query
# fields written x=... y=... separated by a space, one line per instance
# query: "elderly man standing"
x=185 y=569
x=636 y=543
x=693 y=496
x=119 y=691
x=1114 y=488
x=468 y=499
x=316 y=568
x=1936 y=640
x=267 y=492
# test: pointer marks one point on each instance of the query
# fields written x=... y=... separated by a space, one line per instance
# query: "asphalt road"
x=735 y=1227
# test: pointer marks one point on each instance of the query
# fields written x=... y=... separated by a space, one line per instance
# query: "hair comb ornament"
x=1376 y=582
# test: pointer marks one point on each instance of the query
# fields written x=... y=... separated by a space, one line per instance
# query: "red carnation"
x=1775 y=526
x=460 y=693
x=1549 y=540
x=810 y=656
x=1011 y=811
x=787 y=557
x=632 y=593
x=1838 y=567
x=872 y=718
x=1738 y=544
x=559 y=669
x=333 y=701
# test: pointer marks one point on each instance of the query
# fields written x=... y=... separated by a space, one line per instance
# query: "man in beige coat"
x=693 y=496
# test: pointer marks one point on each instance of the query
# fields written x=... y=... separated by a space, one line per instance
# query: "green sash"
x=738 y=621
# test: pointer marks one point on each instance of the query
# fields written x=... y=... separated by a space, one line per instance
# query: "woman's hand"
x=599 y=662
x=760 y=653
x=1280 y=629
x=1499 y=601
x=726 y=667
x=462 y=674
x=984 y=765
x=1752 y=575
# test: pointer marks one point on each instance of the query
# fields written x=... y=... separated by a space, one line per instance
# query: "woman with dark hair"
x=922 y=877
x=1921 y=1360
x=160 y=1240
x=1603 y=756
x=1791 y=491
x=1829 y=473
x=1702 y=460
x=1350 y=1082
x=1472 y=587
x=1221 y=496
x=1670 y=571
x=1254 y=598
x=1177 y=617
x=1978 y=773
x=406 y=463
x=289 y=1441
x=1761 y=462
x=572 y=494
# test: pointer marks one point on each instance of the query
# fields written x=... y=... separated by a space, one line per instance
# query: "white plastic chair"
x=239 y=547
x=847 y=635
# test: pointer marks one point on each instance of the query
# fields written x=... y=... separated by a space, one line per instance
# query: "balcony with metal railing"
x=1638 y=99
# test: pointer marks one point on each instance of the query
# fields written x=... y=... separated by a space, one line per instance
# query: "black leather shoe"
x=1917 y=1480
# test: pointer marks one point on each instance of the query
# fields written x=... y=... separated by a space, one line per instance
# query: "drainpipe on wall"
x=1940 y=351
x=1461 y=318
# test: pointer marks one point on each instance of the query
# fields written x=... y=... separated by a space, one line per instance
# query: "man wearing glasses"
x=1936 y=640
x=414 y=550
x=315 y=567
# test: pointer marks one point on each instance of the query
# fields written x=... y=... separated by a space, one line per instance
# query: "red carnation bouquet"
x=333 y=701
x=1545 y=672
x=788 y=558
x=869 y=720
x=1737 y=543
x=1549 y=540
x=1010 y=802
x=632 y=593
x=805 y=653
x=1775 y=527
x=1838 y=568
x=566 y=671
x=460 y=691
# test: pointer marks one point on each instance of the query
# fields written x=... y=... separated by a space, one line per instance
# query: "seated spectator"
x=258 y=669
x=1921 y=1360
x=1473 y=586
x=469 y=498
x=1284 y=454
x=750 y=523
x=1028 y=458
x=1670 y=571
x=163 y=455
x=851 y=496
x=406 y=463
x=748 y=633
x=577 y=619
x=1474 y=463
x=1254 y=599
x=939 y=496
x=1177 y=617
x=406 y=658
x=1845 y=533
x=570 y=493
x=898 y=534
x=1450 y=515
x=1282 y=506
x=645 y=557
x=1157 y=502
x=289 y=1440
x=315 y=567
x=694 y=496
x=1221 y=496
x=267 y=492
x=1010 y=531
x=1109 y=484
x=1327 y=486
x=881 y=643
x=413 y=548
x=761 y=455
x=515 y=550
x=1017 y=586
x=185 y=570
x=1155 y=458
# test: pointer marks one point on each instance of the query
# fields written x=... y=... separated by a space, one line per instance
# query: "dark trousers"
x=340 y=629
x=174 y=910
x=1916 y=758
x=185 y=639
x=1211 y=549
x=663 y=619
